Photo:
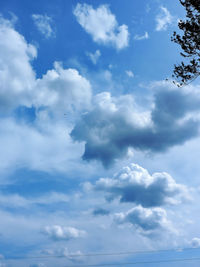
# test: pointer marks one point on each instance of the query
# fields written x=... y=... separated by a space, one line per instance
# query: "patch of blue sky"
x=29 y=183
x=25 y=114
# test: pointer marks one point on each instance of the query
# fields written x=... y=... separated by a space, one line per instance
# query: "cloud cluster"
x=115 y=124
x=64 y=88
x=102 y=25
x=163 y=19
x=60 y=90
x=43 y=23
x=135 y=185
x=145 y=220
x=57 y=232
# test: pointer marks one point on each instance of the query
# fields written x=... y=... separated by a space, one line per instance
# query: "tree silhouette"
x=189 y=42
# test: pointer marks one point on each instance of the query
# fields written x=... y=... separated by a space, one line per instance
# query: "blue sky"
x=99 y=153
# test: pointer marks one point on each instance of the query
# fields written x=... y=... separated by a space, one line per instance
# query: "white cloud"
x=94 y=57
x=163 y=19
x=59 y=91
x=16 y=74
x=57 y=232
x=63 y=90
x=134 y=184
x=141 y=37
x=129 y=73
x=34 y=147
x=43 y=23
x=102 y=25
x=145 y=220
x=64 y=252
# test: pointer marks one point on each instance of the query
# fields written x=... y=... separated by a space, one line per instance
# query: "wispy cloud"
x=141 y=37
x=94 y=56
x=129 y=73
x=44 y=24
x=163 y=19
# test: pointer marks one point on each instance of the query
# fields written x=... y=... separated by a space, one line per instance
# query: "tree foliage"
x=189 y=42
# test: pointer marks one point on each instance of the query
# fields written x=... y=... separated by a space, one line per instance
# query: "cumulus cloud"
x=102 y=25
x=63 y=89
x=43 y=24
x=57 y=232
x=134 y=184
x=16 y=74
x=141 y=37
x=145 y=220
x=121 y=125
x=163 y=19
x=94 y=57
x=60 y=90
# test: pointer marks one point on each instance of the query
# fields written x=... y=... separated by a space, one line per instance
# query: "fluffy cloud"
x=163 y=19
x=16 y=74
x=145 y=220
x=43 y=23
x=57 y=232
x=121 y=125
x=134 y=184
x=60 y=90
x=63 y=89
x=102 y=25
